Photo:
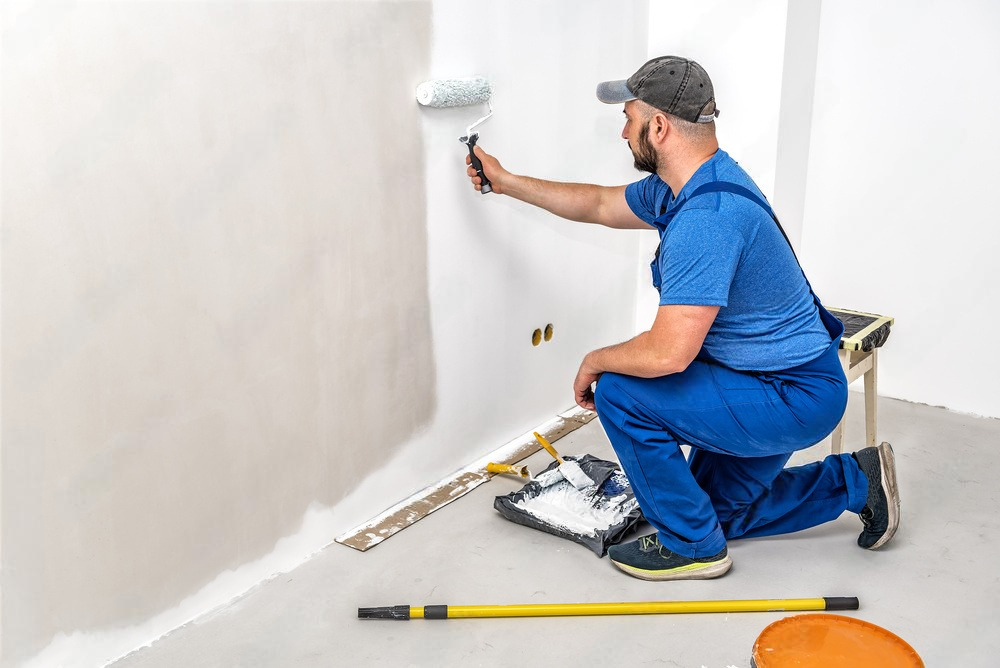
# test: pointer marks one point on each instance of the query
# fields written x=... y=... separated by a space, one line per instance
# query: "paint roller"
x=461 y=93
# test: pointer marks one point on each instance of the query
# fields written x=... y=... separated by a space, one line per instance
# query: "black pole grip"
x=435 y=612
x=841 y=602
x=477 y=164
x=388 y=612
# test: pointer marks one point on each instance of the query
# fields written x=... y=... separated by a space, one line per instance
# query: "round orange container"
x=831 y=641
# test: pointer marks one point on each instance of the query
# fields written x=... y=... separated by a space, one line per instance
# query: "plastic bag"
x=597 y=516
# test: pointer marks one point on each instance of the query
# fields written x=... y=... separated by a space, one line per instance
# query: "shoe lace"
x=648 y=543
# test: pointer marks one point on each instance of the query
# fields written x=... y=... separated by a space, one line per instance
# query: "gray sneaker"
x=647 y=559
x=881 y=512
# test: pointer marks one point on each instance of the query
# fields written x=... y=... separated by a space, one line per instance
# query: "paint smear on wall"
x=213 y=281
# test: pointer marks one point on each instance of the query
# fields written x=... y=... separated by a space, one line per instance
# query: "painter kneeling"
x=741 y=360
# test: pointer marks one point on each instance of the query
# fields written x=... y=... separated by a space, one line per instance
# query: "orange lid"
x=831 y=641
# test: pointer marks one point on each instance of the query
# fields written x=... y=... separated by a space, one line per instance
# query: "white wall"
x=197 y=335
x=899 y=205
x=867 y=127
x=741 y=44
x=499 y=268
x=249 y=297
x=898 y=179
x=798 y=86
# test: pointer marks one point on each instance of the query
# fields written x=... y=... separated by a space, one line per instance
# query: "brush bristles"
x=454 y=92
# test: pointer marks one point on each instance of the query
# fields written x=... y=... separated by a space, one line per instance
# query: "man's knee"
x=608 y=393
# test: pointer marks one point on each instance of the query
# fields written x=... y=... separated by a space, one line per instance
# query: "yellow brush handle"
x=522 y=471
x=548 y=447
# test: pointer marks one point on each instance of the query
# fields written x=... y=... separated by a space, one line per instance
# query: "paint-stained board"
x=440 y=494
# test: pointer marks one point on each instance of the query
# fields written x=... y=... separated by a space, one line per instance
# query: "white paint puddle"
x=583 y=512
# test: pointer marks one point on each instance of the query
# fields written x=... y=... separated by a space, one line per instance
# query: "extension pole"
x=583 y=609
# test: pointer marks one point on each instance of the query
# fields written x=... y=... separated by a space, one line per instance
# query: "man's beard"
x=644 y=154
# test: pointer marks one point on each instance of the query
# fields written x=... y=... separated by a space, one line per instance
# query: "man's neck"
x=679 y=169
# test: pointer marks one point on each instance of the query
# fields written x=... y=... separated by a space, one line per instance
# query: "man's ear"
x=659 y=127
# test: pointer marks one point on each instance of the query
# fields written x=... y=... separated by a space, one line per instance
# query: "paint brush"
x=569 y=469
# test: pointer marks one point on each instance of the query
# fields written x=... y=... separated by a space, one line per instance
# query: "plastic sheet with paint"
x=596 y=517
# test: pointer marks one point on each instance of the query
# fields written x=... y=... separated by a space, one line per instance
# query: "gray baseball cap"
x=672 y=84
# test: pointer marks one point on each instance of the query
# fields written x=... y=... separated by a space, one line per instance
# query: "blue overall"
x=742 y=427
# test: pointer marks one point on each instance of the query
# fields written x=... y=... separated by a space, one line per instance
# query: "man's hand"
x=491 y=167
x=668 y=347
x=585 y=377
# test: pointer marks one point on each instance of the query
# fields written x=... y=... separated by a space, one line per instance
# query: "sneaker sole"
x=887 y=469
x=696 y=571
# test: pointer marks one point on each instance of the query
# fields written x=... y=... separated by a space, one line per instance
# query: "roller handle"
x=477 y=164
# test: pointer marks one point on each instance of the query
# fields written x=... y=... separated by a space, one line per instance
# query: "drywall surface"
x=499 y=268
x=798 y=87
x=250 y=297
x=899 y=206
x=214 y=289
x=741 y=45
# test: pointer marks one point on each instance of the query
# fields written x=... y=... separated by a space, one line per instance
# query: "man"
x=740 y=362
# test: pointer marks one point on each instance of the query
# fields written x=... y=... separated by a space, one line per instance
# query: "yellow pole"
x=640 y=608
x=581 y=609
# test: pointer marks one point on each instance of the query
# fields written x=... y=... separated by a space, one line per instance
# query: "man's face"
x=636 y=133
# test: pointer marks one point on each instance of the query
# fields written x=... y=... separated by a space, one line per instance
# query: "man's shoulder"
x=650 y=185
x=645 y=195
x=716 y=212
x=726 y=170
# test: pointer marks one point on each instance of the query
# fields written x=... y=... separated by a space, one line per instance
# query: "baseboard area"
x=421 y=504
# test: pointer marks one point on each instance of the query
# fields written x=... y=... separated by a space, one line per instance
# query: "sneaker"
x=881 y=512
x=648 y=560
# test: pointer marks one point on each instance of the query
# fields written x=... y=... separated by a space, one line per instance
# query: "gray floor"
x=936 y=584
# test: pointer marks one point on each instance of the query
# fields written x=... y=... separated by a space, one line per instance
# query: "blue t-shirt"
x=724 y=250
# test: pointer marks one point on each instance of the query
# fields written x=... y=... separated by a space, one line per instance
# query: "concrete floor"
x=936 y=585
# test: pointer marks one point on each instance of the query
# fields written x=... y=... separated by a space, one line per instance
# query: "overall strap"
x=833 y=325
x=727 y=187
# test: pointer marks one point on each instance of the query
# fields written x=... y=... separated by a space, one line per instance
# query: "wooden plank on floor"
x=414 y=508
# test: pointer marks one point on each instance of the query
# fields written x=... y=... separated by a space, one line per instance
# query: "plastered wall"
x=214 y=289
x=742 y=46
x=499 y=268
x=248 y=295
x=899 y=216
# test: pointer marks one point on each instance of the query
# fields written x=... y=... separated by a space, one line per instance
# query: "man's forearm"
x=638 y=356
x=583 y=202
x=575 y=201
x=668 y=347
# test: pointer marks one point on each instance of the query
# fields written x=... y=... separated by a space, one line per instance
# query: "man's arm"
x=586 y=203
x=668 y=347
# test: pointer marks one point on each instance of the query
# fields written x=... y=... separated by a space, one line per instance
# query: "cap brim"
x=614 y=92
